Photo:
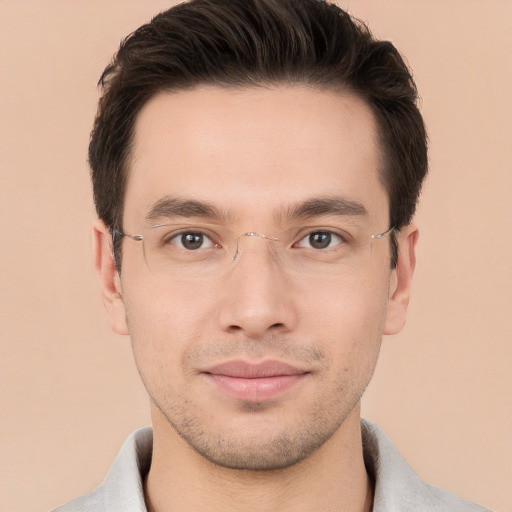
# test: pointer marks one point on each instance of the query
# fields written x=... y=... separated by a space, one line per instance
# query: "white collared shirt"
x=397 y=487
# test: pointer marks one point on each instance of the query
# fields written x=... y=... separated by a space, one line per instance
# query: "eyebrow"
x=169 y=207
x=329 y=205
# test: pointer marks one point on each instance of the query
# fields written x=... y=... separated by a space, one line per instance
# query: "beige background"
x=69 y=391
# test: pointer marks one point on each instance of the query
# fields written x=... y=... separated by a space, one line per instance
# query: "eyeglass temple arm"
x=116 y=232
x=378 y=236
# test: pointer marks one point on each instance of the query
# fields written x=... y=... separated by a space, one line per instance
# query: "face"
x=256 y=362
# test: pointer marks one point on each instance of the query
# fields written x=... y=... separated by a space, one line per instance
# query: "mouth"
x=254 y=382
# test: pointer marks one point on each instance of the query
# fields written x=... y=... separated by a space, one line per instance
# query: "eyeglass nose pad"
x=251 y=233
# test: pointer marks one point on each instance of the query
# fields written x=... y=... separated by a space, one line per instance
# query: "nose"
x=259 y=296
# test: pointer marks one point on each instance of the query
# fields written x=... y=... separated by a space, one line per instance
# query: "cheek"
x=349 y=319
x=357 y=302
x=164 y=322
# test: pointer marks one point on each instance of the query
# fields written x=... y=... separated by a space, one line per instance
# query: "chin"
x=257 y=443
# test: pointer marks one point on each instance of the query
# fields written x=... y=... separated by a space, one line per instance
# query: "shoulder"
x=121 y=491
x=91 y=502
x=397 y=486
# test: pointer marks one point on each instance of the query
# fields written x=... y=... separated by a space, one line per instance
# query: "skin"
x=253 y=153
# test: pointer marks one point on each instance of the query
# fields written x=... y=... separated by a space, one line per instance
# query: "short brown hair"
x=250 y=43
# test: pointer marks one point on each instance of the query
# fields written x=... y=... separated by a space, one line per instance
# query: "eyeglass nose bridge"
x=251 y=234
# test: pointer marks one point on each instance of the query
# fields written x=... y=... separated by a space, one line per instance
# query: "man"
x=256 y=166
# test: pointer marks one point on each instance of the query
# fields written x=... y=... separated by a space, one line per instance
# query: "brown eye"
x=320 y=240
x=192 y=241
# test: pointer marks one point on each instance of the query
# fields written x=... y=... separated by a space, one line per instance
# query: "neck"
x=332 y=478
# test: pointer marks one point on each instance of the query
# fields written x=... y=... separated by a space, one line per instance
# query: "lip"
x=254 y=382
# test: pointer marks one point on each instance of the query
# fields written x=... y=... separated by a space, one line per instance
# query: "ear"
x=401 y=280
x=108 y=276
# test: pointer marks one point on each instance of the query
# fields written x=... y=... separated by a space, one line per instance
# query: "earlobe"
x=401 y=280
x=108 y=276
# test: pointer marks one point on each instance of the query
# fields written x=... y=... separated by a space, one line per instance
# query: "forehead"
x=254 y=150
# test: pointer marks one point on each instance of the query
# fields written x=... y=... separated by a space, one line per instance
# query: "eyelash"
x=178 y=236
x=331 y=234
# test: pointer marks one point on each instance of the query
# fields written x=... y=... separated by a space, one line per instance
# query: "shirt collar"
x=396 y=485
